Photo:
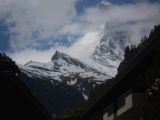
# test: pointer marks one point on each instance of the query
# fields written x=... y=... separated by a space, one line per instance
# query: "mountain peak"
x=58 y=52
x=104 y=5
x=57 y=55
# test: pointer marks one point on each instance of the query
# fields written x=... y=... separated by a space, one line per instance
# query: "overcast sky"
x=34 y=29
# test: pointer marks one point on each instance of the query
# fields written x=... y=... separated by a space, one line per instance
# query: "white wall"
x=128 y=105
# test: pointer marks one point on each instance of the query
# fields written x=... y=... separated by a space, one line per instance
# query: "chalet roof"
x=125 y=78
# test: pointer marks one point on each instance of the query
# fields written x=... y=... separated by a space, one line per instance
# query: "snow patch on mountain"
x=72 y=82
x=85 y=96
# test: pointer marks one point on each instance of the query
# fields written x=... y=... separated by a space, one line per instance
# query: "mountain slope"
x=62 y=83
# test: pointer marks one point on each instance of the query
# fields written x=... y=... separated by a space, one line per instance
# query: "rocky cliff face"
x=110 y=52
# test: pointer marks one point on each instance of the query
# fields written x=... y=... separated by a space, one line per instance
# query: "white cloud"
x=22 y=57
x=130 y=17
x=137 y=19
x=32 y=21
x=85 y=46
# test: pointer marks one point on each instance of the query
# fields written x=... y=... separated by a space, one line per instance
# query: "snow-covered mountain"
x=103 y=50
x=110 y=51
x=63 y=82
x=62 y=65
